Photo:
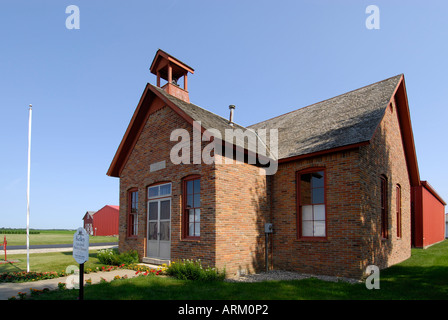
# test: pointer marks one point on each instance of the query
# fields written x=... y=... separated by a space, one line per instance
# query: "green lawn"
x=424 y=276
x=50 y=237
x=46 y=262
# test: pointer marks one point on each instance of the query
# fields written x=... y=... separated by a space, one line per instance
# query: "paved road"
x=11 y=250
x=50 y=246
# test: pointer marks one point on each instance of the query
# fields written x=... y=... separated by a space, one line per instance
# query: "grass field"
x=422 y=277
x=50 y=237
x=46 y=262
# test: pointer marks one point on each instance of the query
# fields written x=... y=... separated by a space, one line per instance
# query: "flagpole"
x=28 y=195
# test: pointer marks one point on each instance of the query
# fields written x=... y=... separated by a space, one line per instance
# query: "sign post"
x=81 y=255
x=4 y=247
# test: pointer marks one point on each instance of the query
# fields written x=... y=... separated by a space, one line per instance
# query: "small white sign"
x=157 y=166
x=81 y=245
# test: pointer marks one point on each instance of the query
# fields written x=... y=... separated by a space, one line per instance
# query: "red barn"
x=105 y=221
x=88 y=222
x=428 y=223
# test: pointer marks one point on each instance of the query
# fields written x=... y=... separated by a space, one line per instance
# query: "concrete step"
x=156 y=261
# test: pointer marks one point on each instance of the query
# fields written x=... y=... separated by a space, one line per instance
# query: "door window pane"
x=165 y=211
x=153 y=210
x=152 y=232
x=165 y=230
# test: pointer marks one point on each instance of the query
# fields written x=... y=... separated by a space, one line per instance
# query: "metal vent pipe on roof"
x=231 y=107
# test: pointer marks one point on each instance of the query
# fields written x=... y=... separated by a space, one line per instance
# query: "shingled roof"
x=348 y=119
x=210 y=120
x=341 y=122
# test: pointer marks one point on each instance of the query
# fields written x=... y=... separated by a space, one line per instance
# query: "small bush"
x=193 y=270
x=107 y=256
x=113 y=258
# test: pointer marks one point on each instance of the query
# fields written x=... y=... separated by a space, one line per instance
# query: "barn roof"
x=88 y=214
x=428 y=187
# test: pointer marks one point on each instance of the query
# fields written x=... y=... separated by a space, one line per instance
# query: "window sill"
x=131 y=237
x=191 y=239
x=312 y=239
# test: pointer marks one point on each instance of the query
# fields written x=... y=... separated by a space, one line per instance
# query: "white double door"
x=159 y=228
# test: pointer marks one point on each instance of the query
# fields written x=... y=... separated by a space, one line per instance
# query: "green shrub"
x=193 y=270
x=113 y=258
x=107 y=256
x=128 y=257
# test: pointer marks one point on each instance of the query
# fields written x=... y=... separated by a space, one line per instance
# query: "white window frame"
x=158 y=191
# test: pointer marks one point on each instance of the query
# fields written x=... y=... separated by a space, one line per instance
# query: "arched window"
x=132 y=213
x=191 y=199
x=311 y=218
x=398 y=209
x=384 y=214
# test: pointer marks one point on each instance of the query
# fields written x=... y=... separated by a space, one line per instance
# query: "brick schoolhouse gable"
x=343 y=165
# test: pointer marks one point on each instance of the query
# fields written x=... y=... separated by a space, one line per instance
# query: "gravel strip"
x=275 y=275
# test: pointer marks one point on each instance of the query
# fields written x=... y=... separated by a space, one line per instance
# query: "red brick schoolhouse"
x=339 y=200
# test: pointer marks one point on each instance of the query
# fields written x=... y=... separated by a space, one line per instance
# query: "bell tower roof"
x=171 y=69
x=160 y=64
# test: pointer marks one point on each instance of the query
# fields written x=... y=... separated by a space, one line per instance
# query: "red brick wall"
x=353 y=209
x=233 y=201
x=338 y=254
x=236 y=201
x=242 y=208
x=385 y=156
x=154 y=145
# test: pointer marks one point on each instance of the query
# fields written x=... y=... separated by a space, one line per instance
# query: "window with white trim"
x=192 y=207
x=311 y=203
x=159 y=191
x=132 y=213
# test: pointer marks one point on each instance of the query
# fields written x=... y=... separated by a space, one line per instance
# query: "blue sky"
x=265 y=57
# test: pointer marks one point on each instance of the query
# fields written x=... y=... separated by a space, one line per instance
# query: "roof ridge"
x=339 y=95
x=195 y=105
x=225 y=122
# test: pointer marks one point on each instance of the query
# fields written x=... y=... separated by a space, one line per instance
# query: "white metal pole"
x=28 y=195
